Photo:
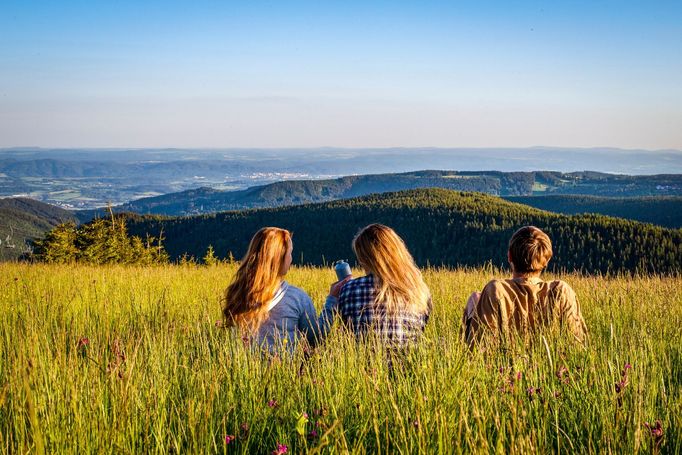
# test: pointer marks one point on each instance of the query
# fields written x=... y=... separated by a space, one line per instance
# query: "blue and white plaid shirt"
x=360 y=314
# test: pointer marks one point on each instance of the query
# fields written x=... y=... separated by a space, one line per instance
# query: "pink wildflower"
x=280 y=450
x=656 y=431
x=229 y=438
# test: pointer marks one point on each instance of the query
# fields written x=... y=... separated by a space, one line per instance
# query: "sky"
x=347 y=74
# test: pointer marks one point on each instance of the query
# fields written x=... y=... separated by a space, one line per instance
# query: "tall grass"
x=157 y=375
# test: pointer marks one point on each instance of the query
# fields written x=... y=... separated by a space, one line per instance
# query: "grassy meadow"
x=116 y=359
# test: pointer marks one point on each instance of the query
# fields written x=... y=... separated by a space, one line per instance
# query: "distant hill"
x=441 y=227
x=207 y=200
x=23 y=219
x=664 y=211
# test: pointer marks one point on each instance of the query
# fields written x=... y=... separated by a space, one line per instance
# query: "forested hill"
x=664 y=211
x=441 y=227
x=207 y=200
x=22 y=220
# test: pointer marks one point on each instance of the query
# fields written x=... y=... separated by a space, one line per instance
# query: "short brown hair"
x=530 y=250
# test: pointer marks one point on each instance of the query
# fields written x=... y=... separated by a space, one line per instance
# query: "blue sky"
x=353 y=74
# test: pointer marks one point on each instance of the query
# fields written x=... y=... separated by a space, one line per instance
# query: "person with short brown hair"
x=521 y=305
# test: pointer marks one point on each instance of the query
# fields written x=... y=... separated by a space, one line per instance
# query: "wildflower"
x=532 y=391
x=313 y=434
x=273 y=403
x=229 y=438
x=415 y=424
x=82 y=347
x=280 y=450
x=656 y=432
x=119 y=352
x=562 y=374
x=509 y=380
x=624 y=380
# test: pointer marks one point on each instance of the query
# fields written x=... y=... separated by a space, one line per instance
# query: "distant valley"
x=92 y=178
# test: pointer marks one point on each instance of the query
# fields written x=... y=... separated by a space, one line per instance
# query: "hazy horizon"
x=353 y=75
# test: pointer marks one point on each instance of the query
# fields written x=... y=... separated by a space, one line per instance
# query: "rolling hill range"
x=207 y=200
x=441 y=227
x=23 y=219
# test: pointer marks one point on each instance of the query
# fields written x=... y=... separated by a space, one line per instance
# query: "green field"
x=159 y=376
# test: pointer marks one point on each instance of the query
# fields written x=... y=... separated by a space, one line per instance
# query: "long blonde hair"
x=257 y=279
x=398 y=283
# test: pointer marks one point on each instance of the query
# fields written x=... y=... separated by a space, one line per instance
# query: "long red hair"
x=257 y=279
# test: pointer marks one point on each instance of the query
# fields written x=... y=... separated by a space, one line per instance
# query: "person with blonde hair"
x=391 y=301
x=522 y=304
x=261 y=303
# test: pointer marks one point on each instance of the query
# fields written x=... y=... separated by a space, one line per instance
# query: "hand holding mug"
x=335 y=288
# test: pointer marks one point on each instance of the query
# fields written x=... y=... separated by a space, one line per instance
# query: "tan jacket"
x=520 y=306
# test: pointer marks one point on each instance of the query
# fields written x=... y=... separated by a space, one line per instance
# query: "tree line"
x=441 y=228
x=101 y=241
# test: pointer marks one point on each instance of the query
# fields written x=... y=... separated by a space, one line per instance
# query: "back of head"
x=530 y=250
x=398 y=282
x=257 y=278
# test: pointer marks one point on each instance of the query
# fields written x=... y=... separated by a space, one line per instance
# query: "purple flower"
x=229 y=438
x=562 y=374
x=313 y=434
x=82 y=347
x=532 y=391
x=656 y=431
x=280 y=450
x=273 y=403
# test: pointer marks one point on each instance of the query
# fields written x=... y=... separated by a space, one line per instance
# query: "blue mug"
x=342 y=269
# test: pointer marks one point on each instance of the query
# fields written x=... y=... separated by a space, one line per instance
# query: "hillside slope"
x=441 y=227
x=208 y=200
x=23 y=219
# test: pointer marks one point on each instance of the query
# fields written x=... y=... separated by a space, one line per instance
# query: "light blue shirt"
x=294 y=318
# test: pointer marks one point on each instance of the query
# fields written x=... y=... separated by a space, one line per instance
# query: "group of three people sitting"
x=392 y=301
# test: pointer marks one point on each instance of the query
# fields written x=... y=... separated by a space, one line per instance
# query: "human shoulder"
x=363 y=281
x=296 y=293
x=496 y=287
x=560 y=286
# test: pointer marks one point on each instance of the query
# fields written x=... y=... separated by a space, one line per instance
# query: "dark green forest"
x=441 y=227
x=664 y=211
